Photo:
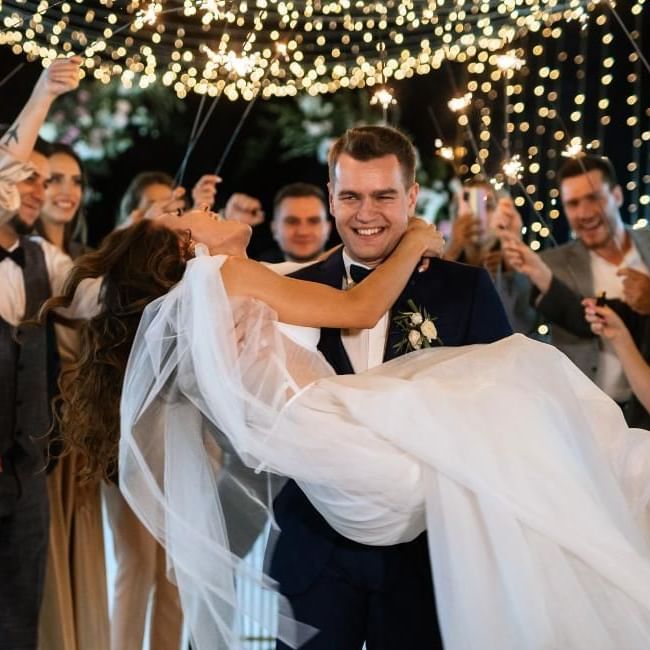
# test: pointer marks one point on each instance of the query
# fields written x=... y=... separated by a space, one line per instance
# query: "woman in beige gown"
x=74 y=613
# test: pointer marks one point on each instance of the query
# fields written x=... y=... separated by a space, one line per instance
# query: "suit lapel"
x=579 y=266
x=641 y=239
x=332 y=272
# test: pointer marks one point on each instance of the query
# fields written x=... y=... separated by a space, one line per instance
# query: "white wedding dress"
x=533 y=490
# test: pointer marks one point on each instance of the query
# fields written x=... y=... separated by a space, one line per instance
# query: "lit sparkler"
x=457 y=104
x=510 y=61
x=149 y=15
x=384 y=97
x=513 y=168
x=575 y=148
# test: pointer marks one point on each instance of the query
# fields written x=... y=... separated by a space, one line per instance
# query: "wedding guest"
x=466 y=240
x=632 y=350
x=606 y=256
x=152 y=193
x=248 y=209
x=478 y=242
x=74 y=613
x=300 y=224
x=30 y=270
x=62 y=220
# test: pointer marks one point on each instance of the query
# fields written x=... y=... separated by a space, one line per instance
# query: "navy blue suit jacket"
x=467 y=310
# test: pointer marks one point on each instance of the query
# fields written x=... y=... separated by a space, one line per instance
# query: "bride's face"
x=221 y=237
x=226 y=237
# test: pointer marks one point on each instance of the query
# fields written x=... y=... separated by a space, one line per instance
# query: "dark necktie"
x=17 y=255
x=359 y=273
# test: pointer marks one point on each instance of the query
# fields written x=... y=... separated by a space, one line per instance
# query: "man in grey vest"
x=29 y=270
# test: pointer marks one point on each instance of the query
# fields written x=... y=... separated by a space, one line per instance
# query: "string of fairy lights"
x=330 y=44
x=518 y=115
x=544 y=110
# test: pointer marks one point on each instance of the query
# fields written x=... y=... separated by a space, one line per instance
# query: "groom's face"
x=371 y=204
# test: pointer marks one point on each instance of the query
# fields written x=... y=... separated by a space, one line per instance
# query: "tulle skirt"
x=533 y=490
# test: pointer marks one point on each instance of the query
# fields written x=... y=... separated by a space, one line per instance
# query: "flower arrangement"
x=419 y=329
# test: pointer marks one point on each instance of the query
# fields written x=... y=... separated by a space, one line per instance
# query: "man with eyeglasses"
x=607 y=258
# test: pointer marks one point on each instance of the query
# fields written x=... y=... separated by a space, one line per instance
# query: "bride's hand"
x=428 y=236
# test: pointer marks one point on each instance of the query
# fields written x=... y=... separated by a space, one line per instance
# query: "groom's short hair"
x=369 y=142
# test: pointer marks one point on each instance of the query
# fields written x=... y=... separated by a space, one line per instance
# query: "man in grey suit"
x=606 y=257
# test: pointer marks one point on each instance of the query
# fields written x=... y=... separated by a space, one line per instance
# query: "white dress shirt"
x=365 y=348
x=58 y=264
x=610 y=376
x=12 y=285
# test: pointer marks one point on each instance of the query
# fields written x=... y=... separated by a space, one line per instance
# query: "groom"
x=352 y=593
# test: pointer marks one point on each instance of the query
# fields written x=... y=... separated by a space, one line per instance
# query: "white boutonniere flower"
x=415 y=339
x=419 y=329
x=429 y=330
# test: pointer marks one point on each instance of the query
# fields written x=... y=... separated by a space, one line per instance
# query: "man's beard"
x=21 y=227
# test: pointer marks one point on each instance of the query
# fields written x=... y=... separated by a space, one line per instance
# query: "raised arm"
x=17 y=143
x=316 y=305
x=60 y=77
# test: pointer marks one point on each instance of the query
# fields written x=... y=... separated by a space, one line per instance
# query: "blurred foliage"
x=304 y=127
x=102 y=121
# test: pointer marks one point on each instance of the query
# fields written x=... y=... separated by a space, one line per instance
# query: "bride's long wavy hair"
x=138 y=264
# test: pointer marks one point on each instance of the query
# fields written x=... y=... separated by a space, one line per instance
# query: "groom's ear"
x=412 y=198
x=330 y=197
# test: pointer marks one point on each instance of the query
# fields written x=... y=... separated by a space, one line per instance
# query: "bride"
x=532 y=487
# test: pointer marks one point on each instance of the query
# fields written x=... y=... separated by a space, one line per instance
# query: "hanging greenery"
x=306 y=126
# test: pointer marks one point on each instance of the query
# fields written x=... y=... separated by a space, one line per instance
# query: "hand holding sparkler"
x=205 y=191
x=174 y=203
x=506 y=218
x=60 y=77
x=244 y=208
x=607 y=323
x=523 y=260
x=604 y=321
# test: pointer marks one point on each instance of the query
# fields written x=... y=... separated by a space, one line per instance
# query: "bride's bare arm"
x=316 y=305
